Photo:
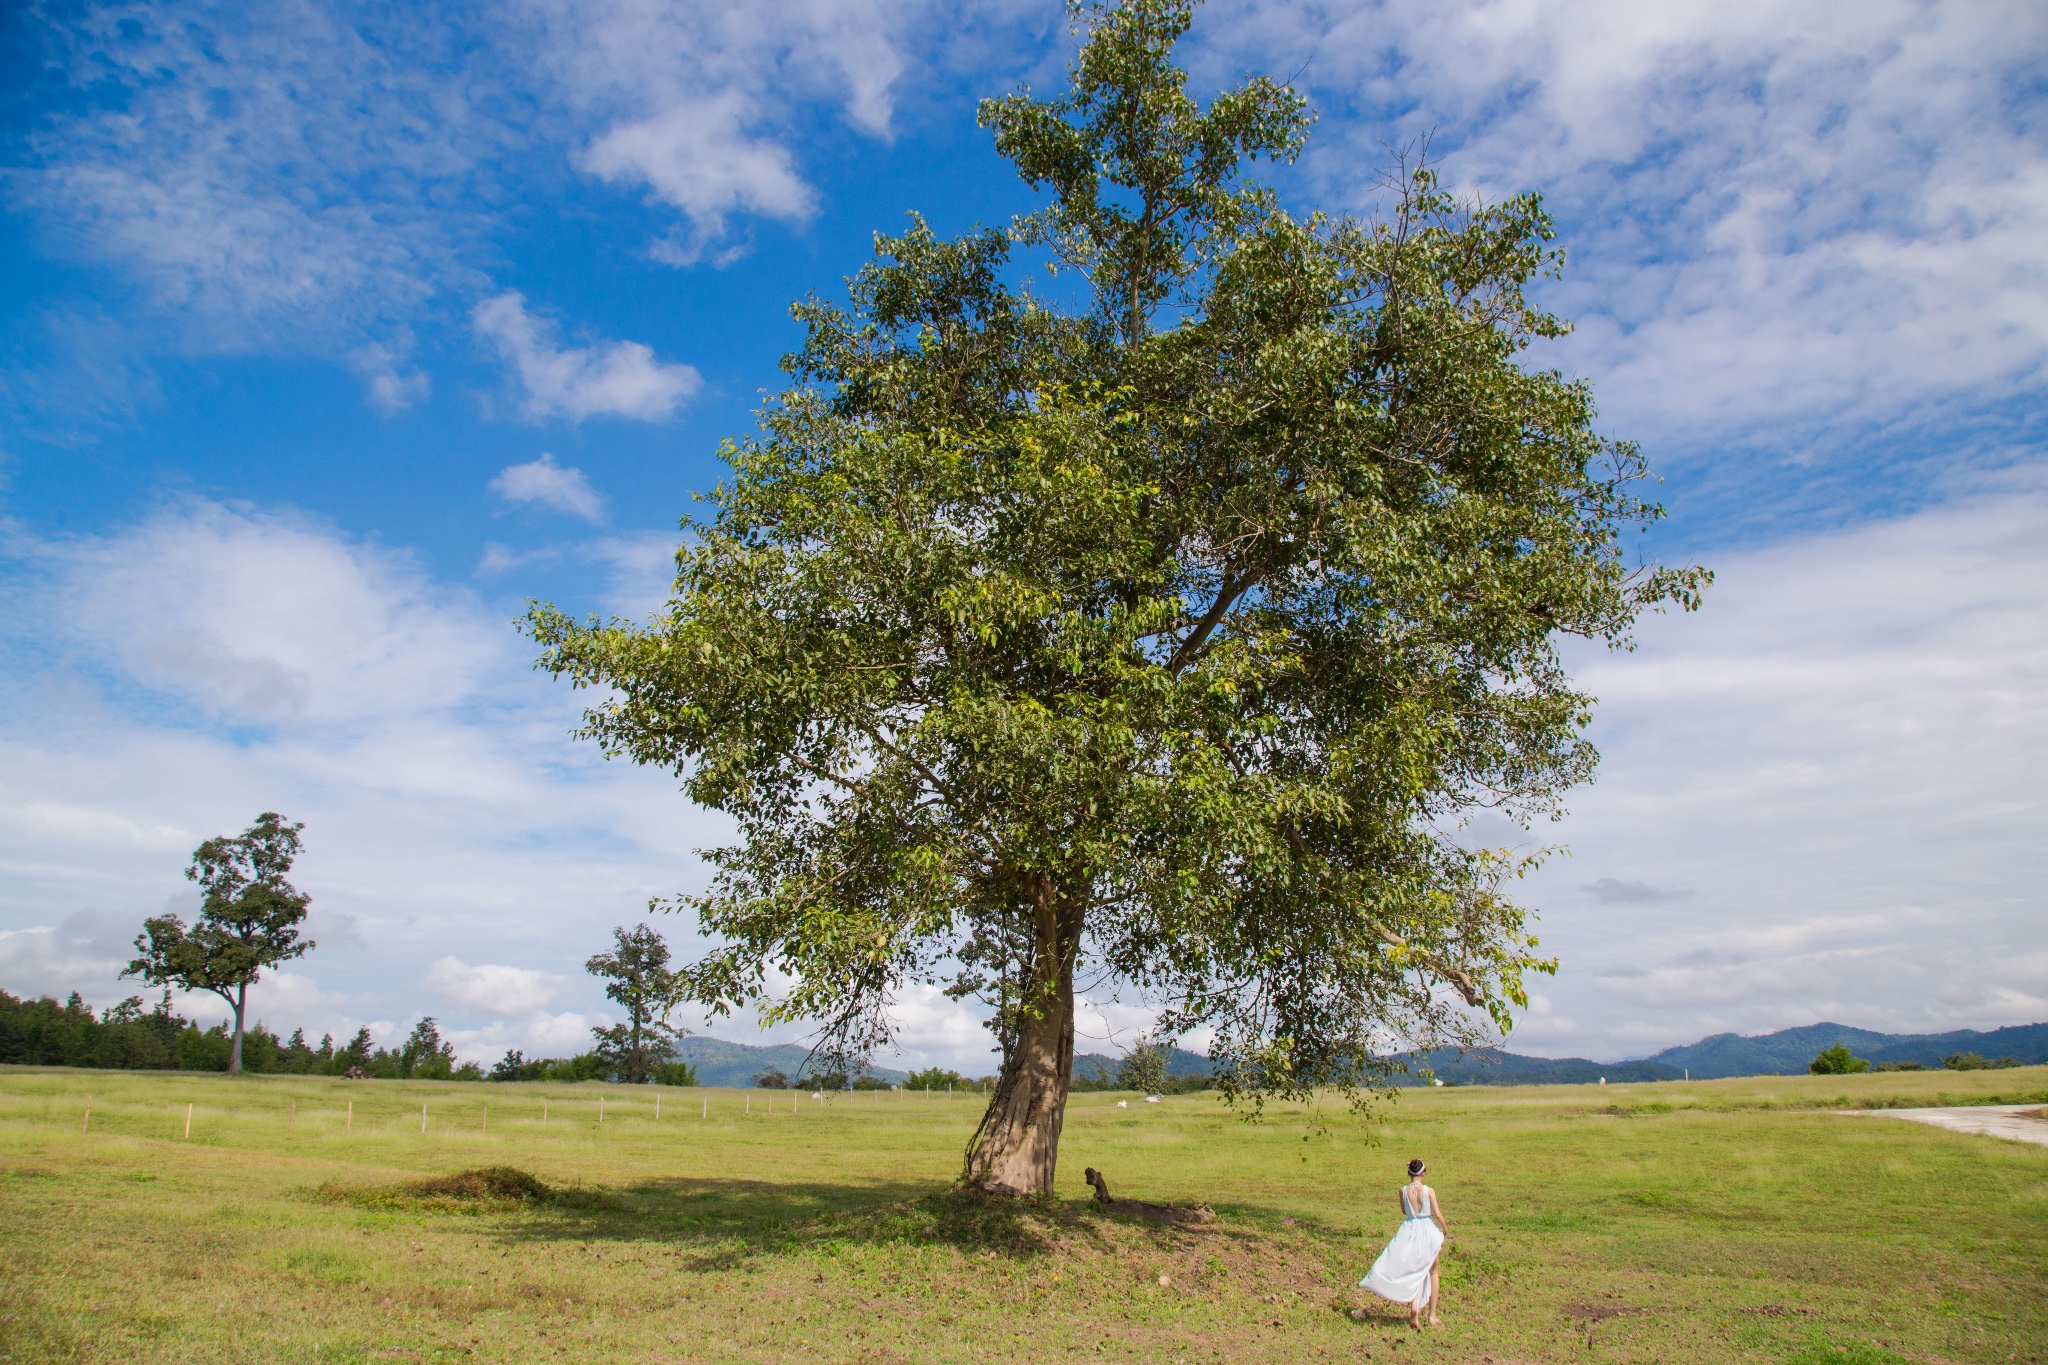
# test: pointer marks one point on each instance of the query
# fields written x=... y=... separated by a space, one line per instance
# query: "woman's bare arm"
x=1436 y=1207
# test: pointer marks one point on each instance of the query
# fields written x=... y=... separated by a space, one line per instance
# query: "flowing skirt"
x=1402 y=1271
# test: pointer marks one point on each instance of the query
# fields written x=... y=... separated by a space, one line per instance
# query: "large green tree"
x=1166 y=637
x=249 y=918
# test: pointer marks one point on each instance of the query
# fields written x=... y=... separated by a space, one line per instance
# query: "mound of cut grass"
x=465 y=1191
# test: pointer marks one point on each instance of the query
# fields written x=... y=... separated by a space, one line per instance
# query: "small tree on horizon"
x=1144 y=1067
x=249 y=919
x=1837 y=1061
x=639 y=978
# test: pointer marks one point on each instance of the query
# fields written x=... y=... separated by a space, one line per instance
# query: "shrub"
x=1837 y=1061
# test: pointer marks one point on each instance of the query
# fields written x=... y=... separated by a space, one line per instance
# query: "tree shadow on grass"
x=722 y=1224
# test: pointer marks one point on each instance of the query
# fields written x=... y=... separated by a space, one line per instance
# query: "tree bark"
x=235 y=1052
x=1016 y=1150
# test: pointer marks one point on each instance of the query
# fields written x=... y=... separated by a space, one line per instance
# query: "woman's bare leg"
x=1436 y=1292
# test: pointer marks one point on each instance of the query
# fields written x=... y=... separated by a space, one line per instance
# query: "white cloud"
x=1777 y=217
x=444 y=801
x=493 y=989
x=694 y=157
x=392 y=387
x=549 y=484
x=1838 y=762
x=690 y=97
x=610 y=378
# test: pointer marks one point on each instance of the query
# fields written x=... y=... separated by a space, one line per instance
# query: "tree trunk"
x=1016 y=1151
x=235 y=1052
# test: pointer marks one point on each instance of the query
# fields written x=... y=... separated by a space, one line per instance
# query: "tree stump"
x=1139 y=1208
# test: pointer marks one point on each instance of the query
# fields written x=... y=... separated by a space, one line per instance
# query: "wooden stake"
x=86 y=1122
x=750 y=1106
x=600 y=1109
x=657 y=1108
x=349 y=1125
x=543 y=1111
x=423 y=1118
x=707 y=1108
x=487 y=1118
x=292 y=1119
x=188 y=1120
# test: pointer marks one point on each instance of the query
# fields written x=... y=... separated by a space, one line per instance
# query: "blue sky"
x=335 y=332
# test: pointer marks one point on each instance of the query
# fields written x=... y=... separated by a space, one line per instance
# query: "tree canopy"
x=1164 y=640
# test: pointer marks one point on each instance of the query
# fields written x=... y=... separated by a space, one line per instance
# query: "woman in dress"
x=1406 y=1271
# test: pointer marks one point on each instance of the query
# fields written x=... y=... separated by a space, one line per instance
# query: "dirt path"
x=2017 y=1122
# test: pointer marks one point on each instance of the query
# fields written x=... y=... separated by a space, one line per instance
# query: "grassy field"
x=1712 y=1221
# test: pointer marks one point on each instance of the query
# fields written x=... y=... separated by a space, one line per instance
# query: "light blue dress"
x=1402 y=1271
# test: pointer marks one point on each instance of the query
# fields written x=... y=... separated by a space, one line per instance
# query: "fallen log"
x=1139 y=1208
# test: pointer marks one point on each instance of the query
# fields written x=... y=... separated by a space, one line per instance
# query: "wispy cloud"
x=1787 y=225
x=551 y=485
x=605 y=378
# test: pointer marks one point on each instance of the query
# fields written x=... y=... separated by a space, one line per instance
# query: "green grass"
x=1712 y=1221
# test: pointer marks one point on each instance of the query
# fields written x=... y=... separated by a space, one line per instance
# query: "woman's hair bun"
x=1416 y=1167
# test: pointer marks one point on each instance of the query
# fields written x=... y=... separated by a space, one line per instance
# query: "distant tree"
x=640 y=979
x=1837 y=1061
x=509 y=1066
x=249 y=919
x=1166 y=637
x=425 y=1055
x=870 y=1083
x=772 y=1079
x=1144 y=1068
x=936 y=1078
x=1970 y=1061
x=674 y=1072
x=356 y=1054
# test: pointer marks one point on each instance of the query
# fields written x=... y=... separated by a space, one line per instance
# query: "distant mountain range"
x=1725 y=1054
x=1730 y=1054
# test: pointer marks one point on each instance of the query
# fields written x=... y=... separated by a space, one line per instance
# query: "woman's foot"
x=1435 y=1321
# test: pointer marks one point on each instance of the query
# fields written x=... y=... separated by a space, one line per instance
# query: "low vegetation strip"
x=1712 y=1222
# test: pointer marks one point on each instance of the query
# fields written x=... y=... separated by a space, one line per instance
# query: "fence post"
x=423 y=1118
x=86 y=1122
x=707 y=1108
x=600 y=1109
x=487 y=1118
x=188 y=1120
x=348 y=1124
x=657 y=1107
x=291 y=1121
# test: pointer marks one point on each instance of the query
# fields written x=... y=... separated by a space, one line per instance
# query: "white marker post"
x=423 y=1119
x=600 y=1109
x=707 y=1108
